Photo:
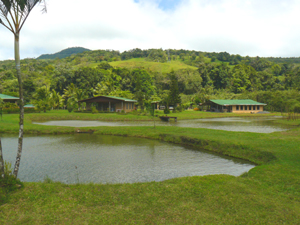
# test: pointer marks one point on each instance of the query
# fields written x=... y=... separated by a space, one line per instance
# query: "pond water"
x=240 y=124
x=94 y=158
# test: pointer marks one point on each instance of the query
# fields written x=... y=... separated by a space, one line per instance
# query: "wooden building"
x=155 y=104
x=236 y=106
x=7 y=98
x=110 y=103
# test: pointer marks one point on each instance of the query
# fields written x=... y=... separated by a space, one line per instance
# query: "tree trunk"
x=1 y=161
x=21 y=105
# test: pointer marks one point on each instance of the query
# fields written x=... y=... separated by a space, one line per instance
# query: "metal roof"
x=112 y=97
x=120 y=98
x=29 y=106
x=237 y=102
x=2 y=96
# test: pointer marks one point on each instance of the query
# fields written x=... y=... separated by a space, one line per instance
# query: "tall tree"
x=13 y=14
x=1 y=154
x=174 y=96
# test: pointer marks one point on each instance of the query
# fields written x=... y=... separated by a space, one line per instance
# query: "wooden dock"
x=167 y=118
x=85 y=131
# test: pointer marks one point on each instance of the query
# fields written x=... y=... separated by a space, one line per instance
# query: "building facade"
x=110 y=104
x=7 y=98
x=236 y=106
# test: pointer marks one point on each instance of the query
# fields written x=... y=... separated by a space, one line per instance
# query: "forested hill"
x=147 y=75
x=64 y=53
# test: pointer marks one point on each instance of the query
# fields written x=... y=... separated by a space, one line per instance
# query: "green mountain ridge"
x=64 y=53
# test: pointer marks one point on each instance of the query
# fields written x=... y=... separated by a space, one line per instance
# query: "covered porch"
x=10 y=99
x=110 y=104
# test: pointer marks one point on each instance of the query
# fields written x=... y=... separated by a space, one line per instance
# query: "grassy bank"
x=135 y=116
x=267 y=194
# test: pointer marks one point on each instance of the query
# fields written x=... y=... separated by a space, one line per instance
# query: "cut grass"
x=267 y=194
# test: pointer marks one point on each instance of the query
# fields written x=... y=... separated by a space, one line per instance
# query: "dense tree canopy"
x=145 y=75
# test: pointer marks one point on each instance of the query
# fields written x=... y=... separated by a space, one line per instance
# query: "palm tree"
x=42 y=99
x=13 y=14
x=72 y=95
x=56 y=100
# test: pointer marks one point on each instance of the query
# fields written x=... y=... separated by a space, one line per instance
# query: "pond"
x=94 y=158
x=239 y=124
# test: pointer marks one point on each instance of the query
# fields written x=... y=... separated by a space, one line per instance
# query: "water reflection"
x=111 y=159
x=241 y=124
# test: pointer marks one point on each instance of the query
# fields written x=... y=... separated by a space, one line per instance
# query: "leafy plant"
x=94 y=110
x=167 y=110
x=9 y=181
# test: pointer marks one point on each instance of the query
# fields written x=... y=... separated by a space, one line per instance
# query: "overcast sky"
x=245 y=27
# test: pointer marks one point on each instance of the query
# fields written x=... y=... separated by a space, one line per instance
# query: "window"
x=258 y=107
x=254 y=107
x=245 y=107
x=237 y=107
x=242 y=107
x=250 y=108
x=126 y=105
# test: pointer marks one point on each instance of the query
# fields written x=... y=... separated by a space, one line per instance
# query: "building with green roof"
x=110 y=103
x=7 y=98
x=236 y=106
x=28 y=106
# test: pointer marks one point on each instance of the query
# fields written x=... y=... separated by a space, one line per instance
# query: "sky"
x=247 y=27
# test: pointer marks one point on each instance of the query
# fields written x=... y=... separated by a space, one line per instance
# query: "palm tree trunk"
x=21 y=105
x=1 y=161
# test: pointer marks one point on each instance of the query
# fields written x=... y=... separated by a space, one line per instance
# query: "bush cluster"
x=8 y=183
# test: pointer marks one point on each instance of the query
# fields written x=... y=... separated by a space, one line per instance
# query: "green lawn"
x=267 y=194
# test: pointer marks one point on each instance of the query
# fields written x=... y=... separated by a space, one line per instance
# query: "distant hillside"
x=64 y=53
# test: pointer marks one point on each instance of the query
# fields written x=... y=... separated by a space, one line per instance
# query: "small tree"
x=14 y=13
x=174 y=97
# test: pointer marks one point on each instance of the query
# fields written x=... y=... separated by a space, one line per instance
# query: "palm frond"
x=19 y=11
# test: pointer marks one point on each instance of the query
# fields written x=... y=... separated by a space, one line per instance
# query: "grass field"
x=152 y=66
x=267 y=194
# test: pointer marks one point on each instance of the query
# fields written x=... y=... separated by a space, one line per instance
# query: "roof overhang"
x=107 y=99
x=235 y=102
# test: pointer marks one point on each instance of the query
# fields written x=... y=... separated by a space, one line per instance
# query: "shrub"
x=70 y=108
x=167 y=110
x=9 y=182
x=94 y=110
x=196 y=109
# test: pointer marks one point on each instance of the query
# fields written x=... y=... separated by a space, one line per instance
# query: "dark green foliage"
x=104 y=66
x=134 y=53
x=189 y=81
x=83 y=78
x=8 y=183
x=142 y=86
x=157 y=55
x=167 y=110
x=225 y=76
x=174 y=97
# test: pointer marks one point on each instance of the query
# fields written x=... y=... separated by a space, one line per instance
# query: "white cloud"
x=250 y=27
